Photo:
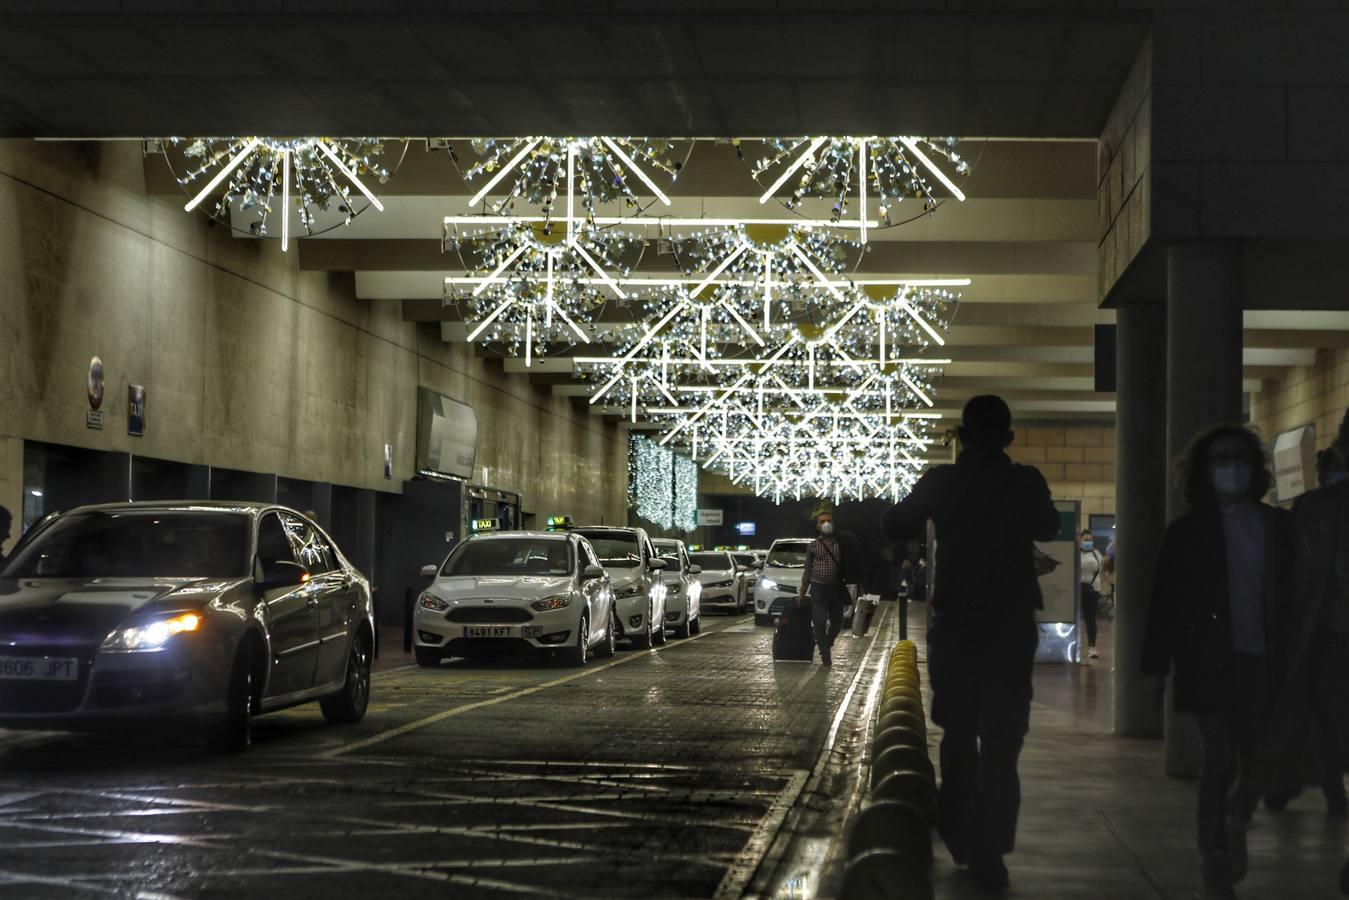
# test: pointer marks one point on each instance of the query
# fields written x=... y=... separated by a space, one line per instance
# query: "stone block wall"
x=249 y=363
x=1306 y=395
x=1077 y=461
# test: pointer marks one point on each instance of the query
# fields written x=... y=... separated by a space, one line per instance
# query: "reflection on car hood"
x=83 y=611
x=783 y=576
x=500 y=587
x=714 y=577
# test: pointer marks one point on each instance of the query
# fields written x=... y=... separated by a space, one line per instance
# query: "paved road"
x=660 y=773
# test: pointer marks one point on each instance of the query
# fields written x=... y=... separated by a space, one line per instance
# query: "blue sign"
x=135 y=409
x=745 y=529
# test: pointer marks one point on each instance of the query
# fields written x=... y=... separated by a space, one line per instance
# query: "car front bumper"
x=433 y=630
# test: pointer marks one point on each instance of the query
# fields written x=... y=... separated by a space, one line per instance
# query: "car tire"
x=641 y=641
x=658 y=638
x=234 y=732
x=696 y=626
x=684 y=629
x=348 y=705
x=428 y=659
x=608 y=646
x=577 y=654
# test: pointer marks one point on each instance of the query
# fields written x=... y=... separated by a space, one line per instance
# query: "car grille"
x=45 y=696
x=112 y=689
x=495 y=615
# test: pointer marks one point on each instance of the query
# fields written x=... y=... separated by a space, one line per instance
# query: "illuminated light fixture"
x=597 y=170
x=317 y=174
x=888 y=169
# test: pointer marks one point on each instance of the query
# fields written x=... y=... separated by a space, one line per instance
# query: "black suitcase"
x=793 y=636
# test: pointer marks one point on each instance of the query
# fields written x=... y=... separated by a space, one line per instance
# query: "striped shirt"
x=821 y=567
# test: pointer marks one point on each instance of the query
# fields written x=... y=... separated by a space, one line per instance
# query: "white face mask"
x=826 y=528
x=1232 y=478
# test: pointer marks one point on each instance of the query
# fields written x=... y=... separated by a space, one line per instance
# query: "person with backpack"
x=831 y=578
x=1093 y=567
x=988 y=512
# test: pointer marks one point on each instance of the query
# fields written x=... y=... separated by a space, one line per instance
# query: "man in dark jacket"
x=834 y=566
x=988 y=513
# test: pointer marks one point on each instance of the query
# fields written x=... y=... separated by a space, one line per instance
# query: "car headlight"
x=432 y=602
x=768 y=584
x=151 y=635
x=558 y=602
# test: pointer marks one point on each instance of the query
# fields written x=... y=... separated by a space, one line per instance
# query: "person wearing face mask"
x=1092 y=566
x=1219 y=621
x=832 y=572
x=988 y=513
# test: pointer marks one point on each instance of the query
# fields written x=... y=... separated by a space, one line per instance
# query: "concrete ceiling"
x=463 y=67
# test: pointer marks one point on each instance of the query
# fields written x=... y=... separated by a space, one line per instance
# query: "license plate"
x=37 y=668
x=487 y=631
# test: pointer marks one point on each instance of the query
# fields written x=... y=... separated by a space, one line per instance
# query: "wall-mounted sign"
x=709 y=517
x=95 y=383
x=745 y=529
x=1295 y=462
x=447 y=435
x=135 y=409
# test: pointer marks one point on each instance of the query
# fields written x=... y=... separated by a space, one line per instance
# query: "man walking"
x=988 y=513
x=833 y=567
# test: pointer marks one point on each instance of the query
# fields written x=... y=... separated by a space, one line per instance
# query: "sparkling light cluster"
x=662 y=485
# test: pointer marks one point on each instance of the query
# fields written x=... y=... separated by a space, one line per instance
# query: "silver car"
x=212 y=612
x=517 y=591
x=639 y=589
x=722 y=581
x=683 y=607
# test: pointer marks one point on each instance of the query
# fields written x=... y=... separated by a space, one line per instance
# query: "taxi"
x=517 y=591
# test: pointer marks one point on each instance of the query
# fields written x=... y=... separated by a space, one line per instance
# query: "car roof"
x=248 y=506
x=614 y=528
x=661 y=542
x=549 y=535
x=791 y=541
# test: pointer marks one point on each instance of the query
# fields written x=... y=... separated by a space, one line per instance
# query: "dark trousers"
x=827 y=603
x=1091 y=600
x=1228 y=785
x=1327 y=659
x=981 y=694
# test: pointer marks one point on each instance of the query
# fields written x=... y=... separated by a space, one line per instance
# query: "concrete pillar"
x=1203 y=388
x=1140 y=505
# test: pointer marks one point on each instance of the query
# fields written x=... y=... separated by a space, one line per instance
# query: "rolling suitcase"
x=793 y=636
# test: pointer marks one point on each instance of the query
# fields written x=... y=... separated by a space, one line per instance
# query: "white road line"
x=419 y=724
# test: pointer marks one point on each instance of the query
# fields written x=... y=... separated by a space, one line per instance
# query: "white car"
x=683 y=607
x=639 y=588
x=779 y=579
x=517 y=591
x=723 y=586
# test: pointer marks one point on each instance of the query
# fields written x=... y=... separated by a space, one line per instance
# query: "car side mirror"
x=657 y=564
x=695 y=570
x=590 y=573
x=283 y=573
x=741 y=570
x=429 y=571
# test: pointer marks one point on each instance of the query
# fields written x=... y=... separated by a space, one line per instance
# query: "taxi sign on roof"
x=556 y=523
x=484 y=524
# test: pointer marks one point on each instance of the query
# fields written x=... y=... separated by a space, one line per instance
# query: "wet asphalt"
x=660 y=773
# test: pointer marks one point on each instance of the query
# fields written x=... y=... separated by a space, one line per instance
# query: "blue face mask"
x=1087 y=545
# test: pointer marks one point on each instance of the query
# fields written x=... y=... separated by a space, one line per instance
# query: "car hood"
x=83 y=611
x=716 y=577
x=500 y=587
x=784 y=577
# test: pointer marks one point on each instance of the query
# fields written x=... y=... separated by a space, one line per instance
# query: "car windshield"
x=510 y=556
x=615 y=548
x=744 y=559
x=667 y=551
x=712 y=562
x=788 y=556
x=137 y=543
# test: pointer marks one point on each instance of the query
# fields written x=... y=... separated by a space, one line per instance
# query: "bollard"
x=895 y=759
x=908 y=702
x=902 y=718
x=911 y=787
x=898 y=737
x=885 y=875
x=892 y=824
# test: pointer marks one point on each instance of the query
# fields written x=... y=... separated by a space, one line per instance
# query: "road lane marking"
x=409 y=727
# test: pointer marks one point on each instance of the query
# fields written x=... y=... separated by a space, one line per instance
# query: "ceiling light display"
x=327 y=180
x=662 y=485
x=551 y=173
x=886 y=170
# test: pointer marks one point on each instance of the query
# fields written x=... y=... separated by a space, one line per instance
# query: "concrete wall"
x=1077 y=461
x=248 y=362
x=1306 y=395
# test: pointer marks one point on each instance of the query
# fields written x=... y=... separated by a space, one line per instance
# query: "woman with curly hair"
x=1220 y=602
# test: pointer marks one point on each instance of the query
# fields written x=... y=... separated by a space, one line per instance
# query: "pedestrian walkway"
x=1099 y=819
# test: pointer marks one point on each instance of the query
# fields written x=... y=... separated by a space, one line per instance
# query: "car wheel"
x=427 y=658
x=685 y=629
x=576 y=654
x=608 y=645
x=234 y=732
x=642 y=641
x=696 y=625
x=659 y=637
x=349 y=704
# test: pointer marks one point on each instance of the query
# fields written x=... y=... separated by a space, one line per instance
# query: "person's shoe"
x=1337 y=805
x=990 y=874
x=1092 y=654
x=1236 y=847
x=955 y=845
x=826 y=658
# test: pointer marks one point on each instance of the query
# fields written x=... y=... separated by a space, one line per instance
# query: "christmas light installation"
x=549 y=172
x=888 y=169
x=662 y=485
x=317 y=174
